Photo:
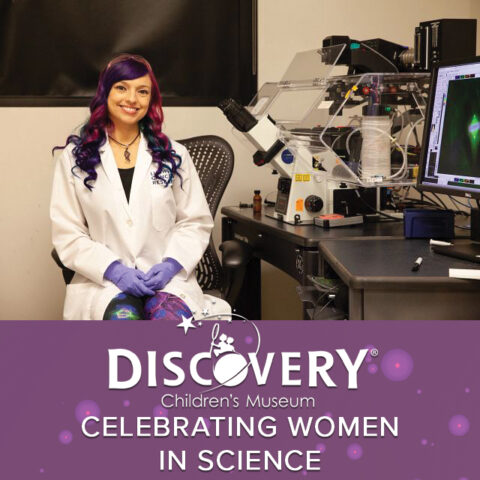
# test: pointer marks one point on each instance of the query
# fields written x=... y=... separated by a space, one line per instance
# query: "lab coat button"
x=129 y=223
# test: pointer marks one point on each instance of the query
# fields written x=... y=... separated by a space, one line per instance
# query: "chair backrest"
x=213 y=158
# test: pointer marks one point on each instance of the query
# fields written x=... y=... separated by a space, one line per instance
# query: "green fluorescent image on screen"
x=459 y=152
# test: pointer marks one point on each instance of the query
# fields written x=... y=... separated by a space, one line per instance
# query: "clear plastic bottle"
x=257 y=202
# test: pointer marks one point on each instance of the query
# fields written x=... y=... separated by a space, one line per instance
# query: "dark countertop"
x=308 y=236
x=387 y=263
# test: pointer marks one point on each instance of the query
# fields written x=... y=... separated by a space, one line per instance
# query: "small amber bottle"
x=257 y=202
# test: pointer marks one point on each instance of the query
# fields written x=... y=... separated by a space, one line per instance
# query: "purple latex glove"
x=128 y=280
x=161 y=273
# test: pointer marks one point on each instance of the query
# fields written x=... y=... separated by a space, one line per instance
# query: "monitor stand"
x=468 y=250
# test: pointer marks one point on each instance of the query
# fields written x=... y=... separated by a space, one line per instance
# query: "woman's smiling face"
x=128 y=100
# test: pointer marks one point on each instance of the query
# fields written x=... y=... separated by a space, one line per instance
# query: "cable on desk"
x=462 y=212
x=440 y=201
x=418 y=202
x=424 y=194
x=378 y=212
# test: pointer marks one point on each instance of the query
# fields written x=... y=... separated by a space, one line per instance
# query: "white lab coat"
x=91 y=229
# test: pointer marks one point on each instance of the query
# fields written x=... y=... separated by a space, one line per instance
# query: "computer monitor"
x=450 y=159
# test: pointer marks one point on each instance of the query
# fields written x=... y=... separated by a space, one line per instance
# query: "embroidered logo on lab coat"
x=163 y=180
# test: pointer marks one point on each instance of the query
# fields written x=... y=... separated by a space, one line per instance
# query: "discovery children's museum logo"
x=229 y=361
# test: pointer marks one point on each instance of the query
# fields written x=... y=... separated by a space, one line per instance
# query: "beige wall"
x=475 y=13
x=31 y=286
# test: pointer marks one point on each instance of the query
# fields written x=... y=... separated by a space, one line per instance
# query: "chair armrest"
x=235 y=257
x=56 y=259
x=235 y=254
x=66 y=272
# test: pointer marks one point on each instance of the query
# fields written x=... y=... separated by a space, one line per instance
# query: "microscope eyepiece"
x=237 y=115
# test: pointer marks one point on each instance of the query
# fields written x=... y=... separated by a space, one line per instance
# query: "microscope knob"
x=313 y=204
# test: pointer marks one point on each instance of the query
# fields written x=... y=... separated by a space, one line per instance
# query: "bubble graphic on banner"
x=419 y=391
x=42 y=470
x=397 y=365
x=467 y=390
x=126 y=403
x=248 y=340
x=372 y=368
x=463 y=478
x=160 y=411
x=424 y=441
x=354 y=451
x=65 y=437
x=459 y=425
x=321 y=447
x=86 y=408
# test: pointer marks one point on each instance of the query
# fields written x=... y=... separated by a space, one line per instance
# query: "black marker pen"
x=417 y=264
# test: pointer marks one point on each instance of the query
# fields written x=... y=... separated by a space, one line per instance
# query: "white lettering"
x=84 y=426
x=194 y=369
x=113 y=382
x=171 y=367
x=322 y=370
x=352 y=368
x=261 y=376
x=287 y=368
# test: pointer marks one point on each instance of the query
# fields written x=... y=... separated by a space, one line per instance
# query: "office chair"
x=213 y=159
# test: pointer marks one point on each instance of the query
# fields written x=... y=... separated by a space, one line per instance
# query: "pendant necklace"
x=126 y=153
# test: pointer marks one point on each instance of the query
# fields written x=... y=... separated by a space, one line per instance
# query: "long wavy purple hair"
x=93 y=133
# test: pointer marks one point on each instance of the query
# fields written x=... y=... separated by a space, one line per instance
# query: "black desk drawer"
x=287 y=256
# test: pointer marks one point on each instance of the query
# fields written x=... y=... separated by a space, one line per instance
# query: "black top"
x=126 y=174
x=387 y=264
x=306 y=236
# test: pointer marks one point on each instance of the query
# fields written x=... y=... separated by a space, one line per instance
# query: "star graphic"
x=186 y=323
x=205 y=312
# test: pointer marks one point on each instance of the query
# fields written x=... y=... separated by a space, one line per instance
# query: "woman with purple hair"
x=128 y=211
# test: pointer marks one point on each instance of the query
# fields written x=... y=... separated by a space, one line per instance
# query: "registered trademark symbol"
x=374 y=352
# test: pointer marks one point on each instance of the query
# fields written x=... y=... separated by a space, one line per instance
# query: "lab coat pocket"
x=163 y=208
x=78 y=301
x=86 y=300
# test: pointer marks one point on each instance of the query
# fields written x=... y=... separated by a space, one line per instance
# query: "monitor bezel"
x=426 y=132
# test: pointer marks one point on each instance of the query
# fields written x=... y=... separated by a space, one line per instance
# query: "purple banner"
x=217 y=399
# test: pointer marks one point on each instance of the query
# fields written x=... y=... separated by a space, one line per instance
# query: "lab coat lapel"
x=144 y=161
x=111 y=170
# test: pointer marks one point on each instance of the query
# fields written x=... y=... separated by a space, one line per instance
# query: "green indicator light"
x=354 y=46
x=388 y=109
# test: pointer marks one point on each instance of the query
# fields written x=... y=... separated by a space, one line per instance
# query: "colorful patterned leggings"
x=162 y=306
